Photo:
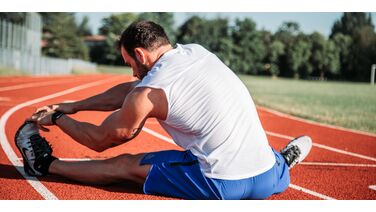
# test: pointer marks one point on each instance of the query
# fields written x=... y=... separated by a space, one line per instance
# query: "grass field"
x=114 y=69
x=350 y=105
x=4 y=71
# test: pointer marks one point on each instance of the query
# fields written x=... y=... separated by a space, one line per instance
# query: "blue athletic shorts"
x=178 y=174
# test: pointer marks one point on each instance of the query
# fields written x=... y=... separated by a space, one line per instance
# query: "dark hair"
x=145 y=34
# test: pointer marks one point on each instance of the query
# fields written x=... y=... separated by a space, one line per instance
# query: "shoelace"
x=40 y=145
x=291 y=155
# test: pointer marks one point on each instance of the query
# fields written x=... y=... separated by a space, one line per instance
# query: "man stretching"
x=202 y=105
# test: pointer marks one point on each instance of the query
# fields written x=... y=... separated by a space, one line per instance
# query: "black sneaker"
x=296 y=150
x=35 y=150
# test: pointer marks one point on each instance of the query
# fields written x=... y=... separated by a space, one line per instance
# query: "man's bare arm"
x=121 y=126
x=110 y=100
x=98 y=138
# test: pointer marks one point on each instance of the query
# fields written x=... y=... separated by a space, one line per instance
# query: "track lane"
x=336 y=138
x=11 y=155
x=13 y=186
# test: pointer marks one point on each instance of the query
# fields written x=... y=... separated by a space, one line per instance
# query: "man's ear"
x=140 y=55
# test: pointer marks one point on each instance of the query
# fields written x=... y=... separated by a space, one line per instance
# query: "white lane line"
x=313 y=193
x=338 y=164
x=153 y=133
x=325 y=147
x=169 y=140
x=35 y=84
x=12 y=156
x=372 y=187
x=315 y=123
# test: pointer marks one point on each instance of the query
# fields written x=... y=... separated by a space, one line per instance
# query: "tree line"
x=347 y=54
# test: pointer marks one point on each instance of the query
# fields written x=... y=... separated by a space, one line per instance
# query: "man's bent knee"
x=127 y=167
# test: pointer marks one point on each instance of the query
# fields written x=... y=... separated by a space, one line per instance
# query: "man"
x=199 y=101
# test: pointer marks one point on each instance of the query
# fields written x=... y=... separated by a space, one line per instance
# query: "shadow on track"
x=10 y=172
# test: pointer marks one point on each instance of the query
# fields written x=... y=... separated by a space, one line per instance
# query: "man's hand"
x=67 y=108
x=42 y=119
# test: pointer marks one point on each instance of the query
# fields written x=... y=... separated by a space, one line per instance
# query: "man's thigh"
x=177 y=174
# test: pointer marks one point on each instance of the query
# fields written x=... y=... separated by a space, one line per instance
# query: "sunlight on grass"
x=351 y=105
x=114 y=69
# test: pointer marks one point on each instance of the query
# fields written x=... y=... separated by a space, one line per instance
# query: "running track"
x=341 y=165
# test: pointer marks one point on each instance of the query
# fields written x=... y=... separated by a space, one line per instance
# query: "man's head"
x=141 y=45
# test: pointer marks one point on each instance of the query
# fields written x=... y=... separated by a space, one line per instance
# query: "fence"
x=26 y=37
x=40 y=65
x=20 y=49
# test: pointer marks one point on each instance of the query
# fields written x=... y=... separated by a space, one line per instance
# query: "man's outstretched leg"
x=38 y=161
x=103 y=172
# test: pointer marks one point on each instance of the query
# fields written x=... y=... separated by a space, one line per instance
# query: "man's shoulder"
x=146 y=92
x=193 y=46
x=154 y=97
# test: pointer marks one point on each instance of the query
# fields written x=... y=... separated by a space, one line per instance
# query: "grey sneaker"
x=296 y=150
x=33 y=147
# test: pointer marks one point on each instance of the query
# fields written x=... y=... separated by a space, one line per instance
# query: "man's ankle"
x=43 y=164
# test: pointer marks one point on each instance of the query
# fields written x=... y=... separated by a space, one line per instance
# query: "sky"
x=309 y=21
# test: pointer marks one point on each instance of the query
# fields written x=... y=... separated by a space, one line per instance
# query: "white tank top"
x=211 y=113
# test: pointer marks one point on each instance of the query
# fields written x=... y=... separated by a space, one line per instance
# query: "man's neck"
x=157 y=54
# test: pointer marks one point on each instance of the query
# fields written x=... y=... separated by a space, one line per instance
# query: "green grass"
x=84 y=71
x=350 y=105
x=5 y=71
x=114 y=69
x=106 y=69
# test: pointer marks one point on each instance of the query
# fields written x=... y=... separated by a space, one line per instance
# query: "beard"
x=142 y=69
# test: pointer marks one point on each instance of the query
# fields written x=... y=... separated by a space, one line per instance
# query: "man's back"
x=211 y=113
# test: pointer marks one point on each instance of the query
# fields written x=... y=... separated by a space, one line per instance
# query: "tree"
x=363 y=54
x=112 y=27
x=249 y=50
x=194 y=30
x=218 y=39
x=343 y=44
x=290 y=28
x=60 y=32
x=116 y=23
x=294 y=61
x=350 y=23
x=325 y=56
x=298 y=58
x=274 y=49
x=359 y=27
x=83 y=28
x=212 y=34
x=14 y=17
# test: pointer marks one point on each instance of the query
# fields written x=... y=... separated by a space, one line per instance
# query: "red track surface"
x=349 y=157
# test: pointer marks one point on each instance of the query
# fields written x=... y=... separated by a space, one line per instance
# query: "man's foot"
x=35 y=150
x=296 y=150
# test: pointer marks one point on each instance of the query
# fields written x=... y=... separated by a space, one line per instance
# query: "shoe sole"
x=28 y=170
